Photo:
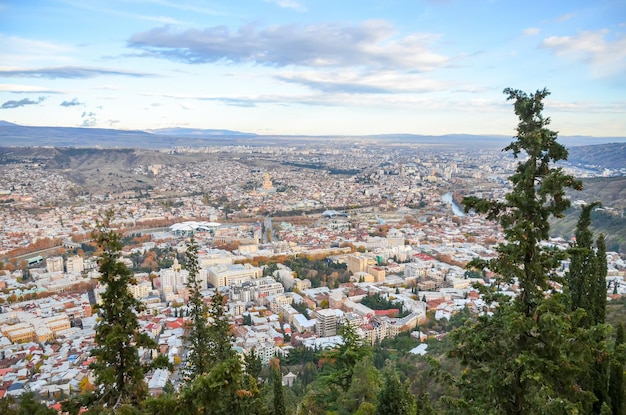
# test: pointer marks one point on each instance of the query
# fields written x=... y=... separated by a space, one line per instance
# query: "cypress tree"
x=616 y=380
x=394 y=397
x=198 y=361
x=528 y=357
x=277 y=384
x=586 y=284
x=117 y=367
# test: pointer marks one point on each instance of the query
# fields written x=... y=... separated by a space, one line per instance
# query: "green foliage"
x=27 y=405
x=536 y=354
x=198 y=339
x=361 y=395
x=252 y=363
x=395 y=396
x=616 y=375
x=320 y=272
x=378 y=302
x=224 y=390
x=220 y=336
x=277 y=386
x=117 y=368
x=344 y=358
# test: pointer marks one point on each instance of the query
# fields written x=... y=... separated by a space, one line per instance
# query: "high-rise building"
x=54 y=264
x=326 y=324
x=75 y=265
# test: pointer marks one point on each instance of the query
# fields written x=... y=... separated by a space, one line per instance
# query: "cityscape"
x=297 y=207
x=385 y=222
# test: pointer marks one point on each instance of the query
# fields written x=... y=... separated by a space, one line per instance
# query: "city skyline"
x=304 y=67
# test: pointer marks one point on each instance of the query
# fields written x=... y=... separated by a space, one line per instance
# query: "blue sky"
x=313 y=66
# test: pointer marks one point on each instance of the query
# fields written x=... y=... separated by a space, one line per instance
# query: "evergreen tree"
x=220 y=336
x=586 y=280
x=252 y=363
x=277 y=385
x=529 y=356
x=198 y=360
x=395 y=397
x=616 y=380
x=586 y=284
x=117 y=367
x=363 y=389
x=345 y=357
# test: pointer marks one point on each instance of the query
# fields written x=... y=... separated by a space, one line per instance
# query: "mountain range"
x=14 y=135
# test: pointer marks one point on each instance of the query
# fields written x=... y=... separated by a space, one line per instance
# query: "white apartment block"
x=326 y=325
x=75 y=265
x=54 y=264
x=226 y=275
x=141 y=290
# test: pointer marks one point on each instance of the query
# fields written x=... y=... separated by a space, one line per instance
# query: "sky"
x=313 y=67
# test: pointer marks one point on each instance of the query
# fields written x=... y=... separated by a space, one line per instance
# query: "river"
x=456 y=209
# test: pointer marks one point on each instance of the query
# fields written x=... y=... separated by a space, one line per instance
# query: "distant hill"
x=611 y=192
x=18 y=135
x=196 y=132
x=167 y=138
x=599 y=157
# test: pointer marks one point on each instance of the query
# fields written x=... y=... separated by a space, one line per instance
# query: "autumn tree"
x=119 y=372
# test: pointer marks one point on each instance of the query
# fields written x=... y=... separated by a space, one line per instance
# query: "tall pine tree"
x=586 y=285
x=117 y=367
x=198 y=339
x=529 y=356
x=616 y=380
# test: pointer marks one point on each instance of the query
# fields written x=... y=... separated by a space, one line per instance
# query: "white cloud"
x=606 y=58
x=288 y=4
x=531 y=31
x=565 y=17
x=373 y=44
x=27 y=89
x=383 y=82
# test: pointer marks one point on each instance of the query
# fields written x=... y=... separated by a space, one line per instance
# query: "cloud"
x=288 y=4
x=607 y=58
x=20 y=103
x=383 y=82
x=68 y=72
x=565 y=17
x=531 y=31
x=89 y=119
x=26 y=89
x=119 y=13
x=372 y=43
x=74 y=102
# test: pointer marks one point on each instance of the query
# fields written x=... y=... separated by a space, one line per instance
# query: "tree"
x=253 y=363
x=117 y=367
x=277 y=385
x=586 y=285
x=586 y=280
x=220 y=336
x=531 y=354
x=198 y=360
x=344 y=358
x=363 y=389
x=224 y=390
x=395 y=396
x=616 y=379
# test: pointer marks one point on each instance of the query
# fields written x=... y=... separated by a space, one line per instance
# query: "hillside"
x=599 y=157
x=103 y=169
x=611 y=192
